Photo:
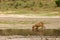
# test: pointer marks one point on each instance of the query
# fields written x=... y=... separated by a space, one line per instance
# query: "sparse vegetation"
x=26 y=32
x=14 y=22
x=21 y=4
x=30 y=7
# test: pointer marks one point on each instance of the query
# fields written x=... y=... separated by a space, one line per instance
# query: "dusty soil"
x=50 y=22
x=27 y=38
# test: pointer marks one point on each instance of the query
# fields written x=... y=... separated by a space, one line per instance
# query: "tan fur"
x=37 y=25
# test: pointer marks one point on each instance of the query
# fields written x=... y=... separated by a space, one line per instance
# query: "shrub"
x=58 y=3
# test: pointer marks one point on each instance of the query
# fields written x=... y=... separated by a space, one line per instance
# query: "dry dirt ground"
x=27 y=38
x=50 y=22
